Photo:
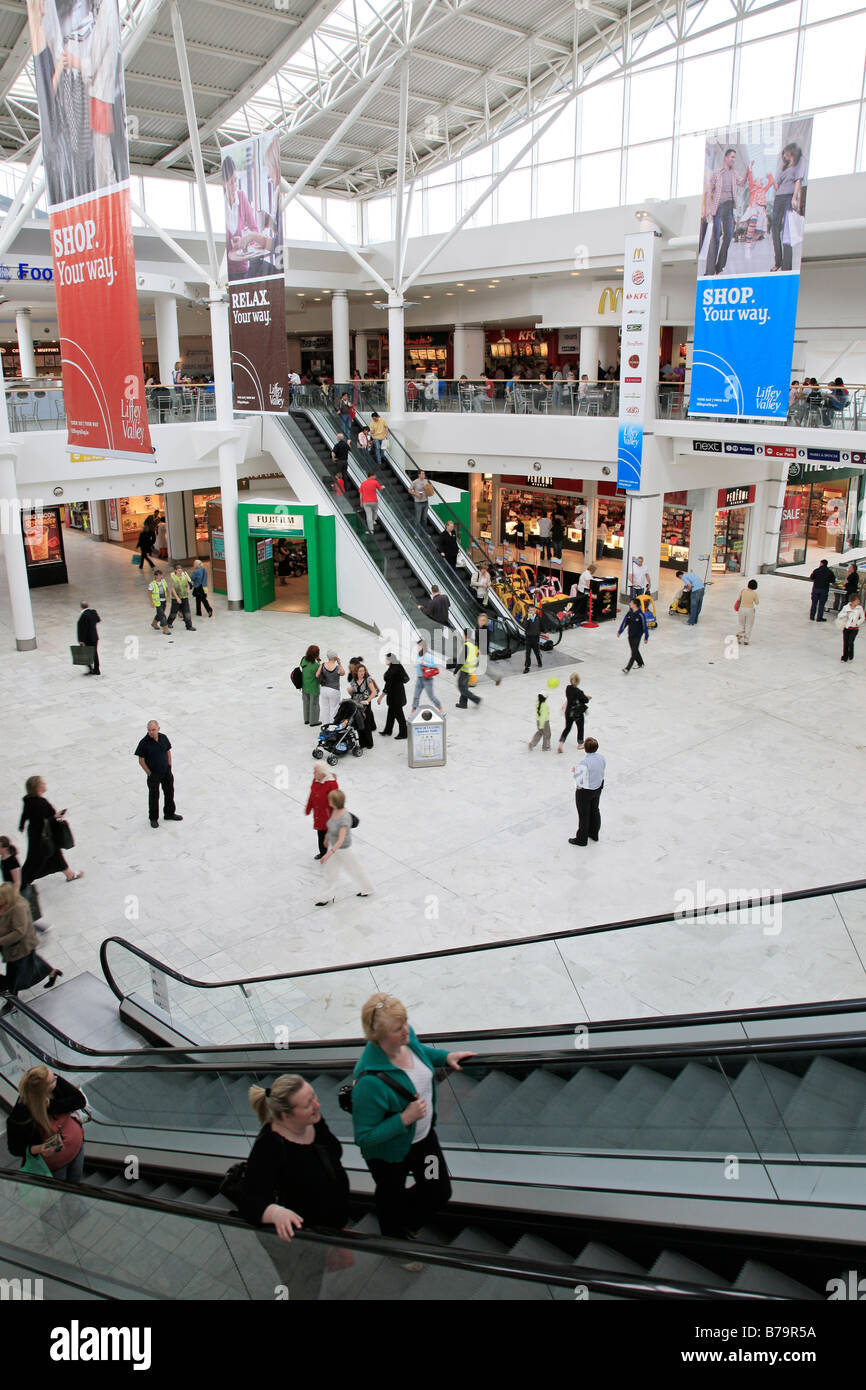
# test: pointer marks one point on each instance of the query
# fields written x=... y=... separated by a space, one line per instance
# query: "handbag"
x=429 y=489
x=31 y=897
x=428 y=672
x=35 y=1164
x=795 y=224
x=137 y=559
x=62 y=835
x=232 y=1185
x=81 y=655
x=354 y=819
x=737 y=606
x=842 y=620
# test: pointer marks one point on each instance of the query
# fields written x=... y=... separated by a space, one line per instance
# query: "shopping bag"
x=136 y=559
x=795 y=224
x=81 y=655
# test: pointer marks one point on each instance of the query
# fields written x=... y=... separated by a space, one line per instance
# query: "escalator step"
x=670 y=1265
x=438 y=1282
x=598 y=1256
x=616 y=1121
x=697 y=1093
x=168 y=1192
x=540 y=1088
x=762 y=1092
x=578 y=1098
x=531 y=1247
x=756 y=1277
x=490 y=1093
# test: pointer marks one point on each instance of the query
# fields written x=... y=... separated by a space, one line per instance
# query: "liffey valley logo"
x=278 y=395
x=131 y=414
x=768 y=398
x=77 y=1343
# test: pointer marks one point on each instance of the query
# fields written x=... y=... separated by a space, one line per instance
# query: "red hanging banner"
x=82 y=115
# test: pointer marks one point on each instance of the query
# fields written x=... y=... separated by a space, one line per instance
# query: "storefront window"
x=818 y=520
x=792 y=532
x=729 y=541
x=521 y=508
x=200 y=501
x=676 y=534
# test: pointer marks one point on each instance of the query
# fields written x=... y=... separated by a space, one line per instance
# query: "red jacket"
x=317 y=802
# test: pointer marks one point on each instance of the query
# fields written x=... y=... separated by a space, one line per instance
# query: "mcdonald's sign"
x=638 y=254
x=611 y=297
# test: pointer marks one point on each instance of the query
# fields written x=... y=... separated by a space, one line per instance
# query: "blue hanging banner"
x=749 y=252
x=638 y=368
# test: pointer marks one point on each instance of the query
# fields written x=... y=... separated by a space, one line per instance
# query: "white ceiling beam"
x=283 y=53
x=341 y=241
x=195 y=144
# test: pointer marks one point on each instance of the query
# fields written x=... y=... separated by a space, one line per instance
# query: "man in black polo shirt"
x=154 y=756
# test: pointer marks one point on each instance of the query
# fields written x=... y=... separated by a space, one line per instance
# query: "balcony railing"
x=43 y=407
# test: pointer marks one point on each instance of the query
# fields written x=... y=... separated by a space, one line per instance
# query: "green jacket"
x=310 y=685
x=376 y=1109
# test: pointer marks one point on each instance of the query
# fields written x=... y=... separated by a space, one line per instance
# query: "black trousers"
x=819 y=600
x=155 y=780
x=634 y=643
x=201 y=598
x=395 y=714
x=848 y=636
x=180 y=605
x=531 y=646
x=400 y=1211
x=465 y=692
x=321 y=835
x=146 y=560
x=588 y=814
x=570 y=721
x=95 y=667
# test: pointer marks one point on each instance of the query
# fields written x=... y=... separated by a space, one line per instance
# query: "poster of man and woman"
x=754 y=199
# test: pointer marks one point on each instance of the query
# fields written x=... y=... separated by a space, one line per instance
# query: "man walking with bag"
x=88 y=635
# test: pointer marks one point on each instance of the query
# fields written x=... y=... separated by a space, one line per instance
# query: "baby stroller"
x=681 y=604
x=342 y=736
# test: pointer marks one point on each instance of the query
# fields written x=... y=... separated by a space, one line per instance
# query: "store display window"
x=612 y=514
x=200 y=501
x=729 y=539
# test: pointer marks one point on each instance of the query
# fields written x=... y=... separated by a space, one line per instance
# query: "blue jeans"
x=696 y=603
x=376 y=446
x=424 y=686
x=723 y=231
x=347 y=424
x=74 y=1170
x=819 y=599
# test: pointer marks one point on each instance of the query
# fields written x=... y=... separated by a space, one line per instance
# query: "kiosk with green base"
x=261 y=523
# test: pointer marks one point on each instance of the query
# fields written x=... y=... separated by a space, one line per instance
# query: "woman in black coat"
x=43 y=1123
x=575 y=709
x=394 y=695
x=294 y=1177
x=43 y=856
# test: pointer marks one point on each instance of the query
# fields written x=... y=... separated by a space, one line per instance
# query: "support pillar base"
x=235 y=605
x=25 y=644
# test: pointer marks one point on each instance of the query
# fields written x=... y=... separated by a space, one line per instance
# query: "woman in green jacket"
x=395 y=1123
x=310 y=686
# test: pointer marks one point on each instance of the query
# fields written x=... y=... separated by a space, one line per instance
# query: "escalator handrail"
x=428 y=566
x=624 y=924
x=451 y=1257
x=304 y=450
x=728 y=1047
x=462 y=528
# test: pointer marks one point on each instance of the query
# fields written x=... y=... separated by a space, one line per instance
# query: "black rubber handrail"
x=819 y=1042
x=624 y=924
x=506 y=1266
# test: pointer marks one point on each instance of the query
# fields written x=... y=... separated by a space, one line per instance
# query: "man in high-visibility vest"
x=181 y=588
x=158 y=590
x=467 y=670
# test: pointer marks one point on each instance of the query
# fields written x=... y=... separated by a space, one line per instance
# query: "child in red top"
x=324 y=782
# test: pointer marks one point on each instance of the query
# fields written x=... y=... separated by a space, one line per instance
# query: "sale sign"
x=82 y=117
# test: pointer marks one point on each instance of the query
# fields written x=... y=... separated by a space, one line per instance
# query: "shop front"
x=532 y=349
x=523 y=500
x=288 y=557
x=734 y=508
x=676 y=531
x=200 y=504
x=317 y=356
x=77 y=516
x=611 y=515
x=819 y=515
x=125 y=516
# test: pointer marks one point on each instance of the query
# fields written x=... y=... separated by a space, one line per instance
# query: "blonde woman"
x=338 y=854
x=43 y=1123
x=394 y=1116
x=575 y=709
x=850 y=621
x=293 y=1174
x=18 y=942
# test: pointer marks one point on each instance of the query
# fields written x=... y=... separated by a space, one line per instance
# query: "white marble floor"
x=741 y=768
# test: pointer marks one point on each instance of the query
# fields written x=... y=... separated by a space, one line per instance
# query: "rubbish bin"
x=426 y=745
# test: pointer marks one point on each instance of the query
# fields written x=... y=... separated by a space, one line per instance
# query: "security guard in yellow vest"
x=181 y=588
x=467 y=670
x=158 y=590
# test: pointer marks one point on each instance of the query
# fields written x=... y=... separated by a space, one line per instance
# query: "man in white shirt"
x=639 y=582
x=601 y=536
x=581 y=590
x=588 y=783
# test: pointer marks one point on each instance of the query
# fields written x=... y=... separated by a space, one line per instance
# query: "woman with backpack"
x=394 y=1117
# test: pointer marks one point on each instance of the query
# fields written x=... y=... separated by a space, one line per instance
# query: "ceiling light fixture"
x=426 y=296
x=460 y=284
x=449 y=294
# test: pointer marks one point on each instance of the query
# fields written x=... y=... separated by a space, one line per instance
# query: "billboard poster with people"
x=82 y=116
x=252 y=181
x=750 y=245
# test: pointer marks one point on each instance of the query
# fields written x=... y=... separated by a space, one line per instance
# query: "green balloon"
x=553 y=682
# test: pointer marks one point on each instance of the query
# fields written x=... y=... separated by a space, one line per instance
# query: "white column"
x=702 y=502
x=228 y=452
x=396 y=357
x=609 y=346
x=175 y=527
x=468 y=350
x=167 y=338
x=643 y=533
x=361 y=351
x=97 y=520
x=590 y=349
x=24 y=329
x=340 y=331
x=13 y=541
